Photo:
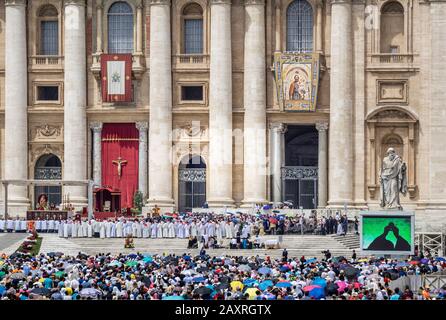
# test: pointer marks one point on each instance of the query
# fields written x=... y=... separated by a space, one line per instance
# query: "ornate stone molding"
x=96 y=126
x=142 y=125
x=254 y=2
x=192 y=175
x=321 y=126
x=296 y=173
x=212 y=2
x=159 y=2
x=332 y=2
x=276 y=126
x=45 y=132
x=15 y=2
x=74 y=3
x=39 y=150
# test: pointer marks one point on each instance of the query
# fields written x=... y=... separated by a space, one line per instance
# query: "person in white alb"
x=2 y=225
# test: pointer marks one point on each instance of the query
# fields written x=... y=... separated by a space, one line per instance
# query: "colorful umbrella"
x=173 y=298
x=131 y=263
x=440 y=259
x=310 y=261
x=199 y=279
x=264 y=270
x=250 y=282
x=236 y=284
x=310 y=288
x=319 y=282
x=252 y=292
x=283 y=284
x=265 y=284
x=147 y=259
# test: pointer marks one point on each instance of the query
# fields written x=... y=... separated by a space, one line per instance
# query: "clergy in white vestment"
x=60 y=230
x=138 y=229
x=2 y=225
x=245 y=231
x=165 y=230
x=44 y=226
x=102 y=230
x=145 y=230
x=171 y=230
x=154 y=230
x=228 y=230
x=128 y=228
x=113 y=229
x=17 y=225
x=186 y=230
x=222 y=225
x=181 y=231
x=119 y=228
x=135 y=228
x=57 y=227
x=84 y=229
x=211 y=229
x=108 y=227
x=67 y=229
x=159 y=232
x=90 y=229
x=38 y=225
x=51 y=226
x=219 y=233
x=193 y=230
x=73 y=229
x=96 y=228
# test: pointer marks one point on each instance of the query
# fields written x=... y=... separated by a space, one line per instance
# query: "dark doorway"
x=192 y=183
x=48 y=167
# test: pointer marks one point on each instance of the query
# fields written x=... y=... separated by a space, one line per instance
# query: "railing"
x=191 y=60
x=46 y=61
x=392 y=58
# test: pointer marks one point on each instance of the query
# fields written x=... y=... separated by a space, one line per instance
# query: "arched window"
x=193 y=29
x=392 y=27
x=49 y=167
x=49 y=30
x=120 y=28
x=299 y=26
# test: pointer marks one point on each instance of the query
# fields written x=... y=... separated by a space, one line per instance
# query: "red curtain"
x=120 y=140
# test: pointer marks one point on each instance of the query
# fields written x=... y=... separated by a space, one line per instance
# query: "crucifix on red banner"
x=116 y=74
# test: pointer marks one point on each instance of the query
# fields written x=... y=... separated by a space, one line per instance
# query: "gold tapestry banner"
x=297 y=80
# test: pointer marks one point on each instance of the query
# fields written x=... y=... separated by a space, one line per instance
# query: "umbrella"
x=284 y=268
x=59 y=274
x=189 y=272
x=363 y=260
x=18 y=276
x=115 y=263
x=332 y=288
x=147 y=259
x=244 y=268
x=310 y=288
x=131 y=263
x=402 y=264
x=236 y=284
x=317 y=293
x=56 y=296
x=89 y=292
x=265 y=284
x=203 y=291
x=424 y=261
x=319 y=282
x=199 y=279
x=250 y=282
x=202 y=269
x=341 y=286
x=440 y=259
x=222 y=286
x=264 y=270
x=414 y=262
x=2 y=273
x=173 y=298
x=252 y=292
x=351 y=272
x=338 y=259
x=310 y=261
x=41 y=291
x=283 y=284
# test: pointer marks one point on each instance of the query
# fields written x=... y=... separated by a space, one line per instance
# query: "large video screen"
x=387 y=233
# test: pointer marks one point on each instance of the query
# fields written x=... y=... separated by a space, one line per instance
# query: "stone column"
x=319 y=28
x=278 y=26
x=322 y=165
x=16 y=103
x=99 y=9
x=75 y=82
x=255 y=104
x=97 y=152
x=341 y=105
x=220 y=106
x=142 y=161
x=277 y=131
x=160 y=125
x=139 y=29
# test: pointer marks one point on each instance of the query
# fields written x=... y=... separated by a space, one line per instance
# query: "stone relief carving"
x=46 y=132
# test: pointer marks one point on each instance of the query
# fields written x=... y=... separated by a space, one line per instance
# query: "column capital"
x=96 y=126
x=15 y=2
x=321 y=126
x=74 y=3
x=278 y=126
x=254 y=2
x=212 y=2
x=142 y=126
x=100 y=6
x=159 y=2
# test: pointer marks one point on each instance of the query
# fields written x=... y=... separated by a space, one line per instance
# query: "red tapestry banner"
x=116 y=73
x=120 y=152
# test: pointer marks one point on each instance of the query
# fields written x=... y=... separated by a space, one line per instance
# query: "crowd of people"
x=141 y=276
x=187 y=225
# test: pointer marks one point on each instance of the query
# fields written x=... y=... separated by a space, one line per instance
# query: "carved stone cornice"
x=74 y=3
x=254 y=2
x=159 y=2
x=220 y=2
x=45 y=132
x=15 y=3
x=332 y=2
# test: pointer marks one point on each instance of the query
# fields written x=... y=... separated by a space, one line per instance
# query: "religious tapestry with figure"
x=297 y=80
x=120 y=152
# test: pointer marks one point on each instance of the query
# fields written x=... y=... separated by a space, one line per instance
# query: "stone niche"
x=392 y=91
x=394 y=127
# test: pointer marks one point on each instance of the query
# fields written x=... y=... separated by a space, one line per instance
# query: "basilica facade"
x=219 y=105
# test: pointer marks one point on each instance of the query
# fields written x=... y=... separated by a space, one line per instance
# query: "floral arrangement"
x=129 y=242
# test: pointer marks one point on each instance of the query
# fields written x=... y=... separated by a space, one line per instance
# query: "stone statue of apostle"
x=393 y=180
